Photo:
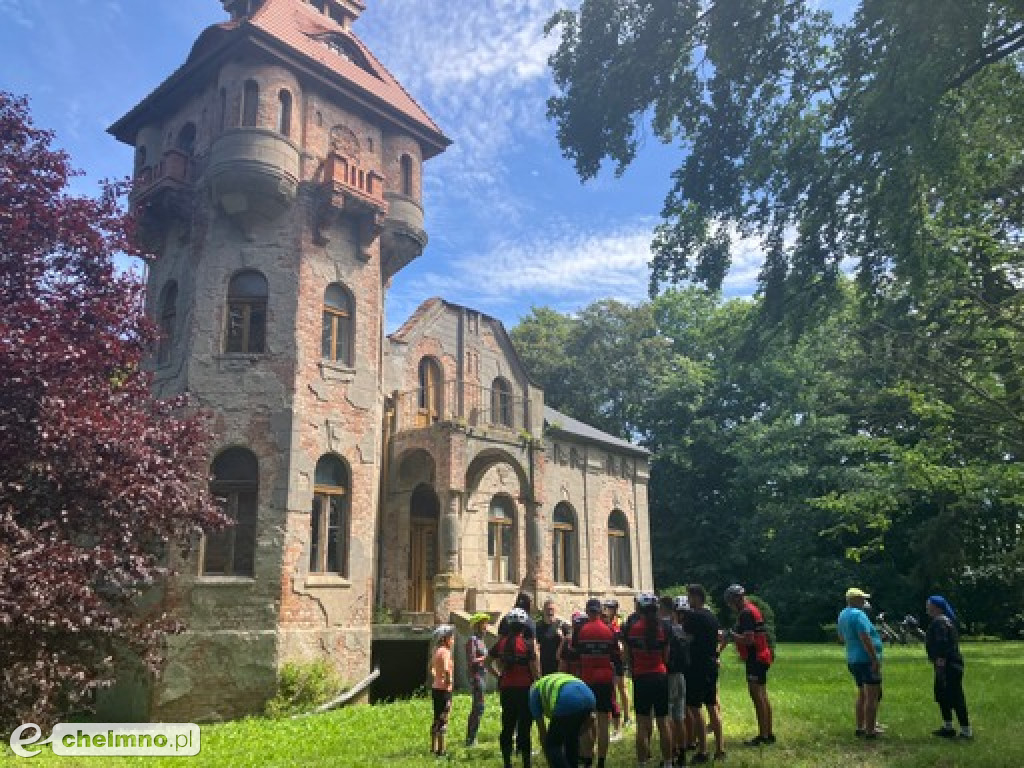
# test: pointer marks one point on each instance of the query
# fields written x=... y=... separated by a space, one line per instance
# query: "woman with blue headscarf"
x=943 y=645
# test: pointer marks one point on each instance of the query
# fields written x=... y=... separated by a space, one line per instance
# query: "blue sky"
x=510 y=225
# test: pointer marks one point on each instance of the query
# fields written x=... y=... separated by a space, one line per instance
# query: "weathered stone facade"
x=279 y=181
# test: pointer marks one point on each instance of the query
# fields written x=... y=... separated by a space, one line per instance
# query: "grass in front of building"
x=811 y=693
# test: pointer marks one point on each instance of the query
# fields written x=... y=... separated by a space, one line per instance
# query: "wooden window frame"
x=501 y=403
x=338 y=330
x=620 y=560
x=501 y=531
x=431 y=390
x=321 y=529
x=565 y=560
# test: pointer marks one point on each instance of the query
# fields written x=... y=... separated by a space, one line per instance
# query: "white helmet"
x=681 y=603
x=733 y=592
x=646 y=600
x=517 y=616
x=443 y=631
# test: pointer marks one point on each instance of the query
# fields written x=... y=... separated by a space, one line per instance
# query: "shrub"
x=303 y=686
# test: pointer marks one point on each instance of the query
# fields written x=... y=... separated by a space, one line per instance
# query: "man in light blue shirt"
x=863 y=658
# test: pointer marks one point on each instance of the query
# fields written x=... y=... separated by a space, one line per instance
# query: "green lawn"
x=811 y=693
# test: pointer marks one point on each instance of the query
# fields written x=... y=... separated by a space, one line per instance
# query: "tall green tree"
x=889 y=144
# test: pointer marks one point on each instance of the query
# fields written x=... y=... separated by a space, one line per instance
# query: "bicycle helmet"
x=443 y=631
x=681 y=603
x=476 y=618
x=646 y=600
x=733 y=592
x=516 y=616
x=612 y=605
x=593 y=605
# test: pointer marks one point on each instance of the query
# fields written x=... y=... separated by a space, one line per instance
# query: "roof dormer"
x=344 y=12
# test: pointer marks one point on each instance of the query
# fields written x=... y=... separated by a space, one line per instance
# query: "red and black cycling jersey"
x=647 y=656
x=515 y=671
x=750 y=620
x=596 y=647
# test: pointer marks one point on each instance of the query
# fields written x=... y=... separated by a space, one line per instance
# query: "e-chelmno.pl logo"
x=110 y=739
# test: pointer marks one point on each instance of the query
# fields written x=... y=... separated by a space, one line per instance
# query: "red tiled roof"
x=301 y=28
x=299 y=25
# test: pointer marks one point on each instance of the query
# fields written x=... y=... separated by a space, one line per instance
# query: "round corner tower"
x=278 y=185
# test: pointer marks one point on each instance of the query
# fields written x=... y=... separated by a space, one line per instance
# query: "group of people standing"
x=864 y=649
x=570 y=678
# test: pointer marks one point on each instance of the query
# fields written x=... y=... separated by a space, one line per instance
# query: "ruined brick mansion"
x=376 y=481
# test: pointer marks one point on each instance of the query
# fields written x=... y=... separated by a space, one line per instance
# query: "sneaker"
x=945 y=733
x=757 y=741
x=859 y=733
x=769 y=739
x=699 y=758
x=470 y=743
x=967 y=735
x=872 y=735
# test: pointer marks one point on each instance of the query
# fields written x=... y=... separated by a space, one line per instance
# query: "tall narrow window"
x=501 y=539
x=168 y=321
x=284 y=113
x=565 y=560
x=247 y=313
x=406 y=163
x=336 y=343
x=250 y=103
x=187 y=138
x=140 y=159
x=235 y=484
x=618 y=550
x=329 y=525
x=222 y=117
x=430 y=396
x=501 y=403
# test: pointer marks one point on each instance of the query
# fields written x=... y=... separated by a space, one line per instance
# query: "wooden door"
x=423 y=557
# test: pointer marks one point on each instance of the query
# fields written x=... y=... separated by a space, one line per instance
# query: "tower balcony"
x=155 y=182
x=350 y=189
x=403 y=237
x=253 y=171
x=496 y=411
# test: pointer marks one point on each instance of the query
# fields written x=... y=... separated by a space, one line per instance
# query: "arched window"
x=406 y=163
x=235 y=484
x=140 y=159
x=501 y=539
x=247 y=313
x=430 y=394
x=565 y=560
x=501 y=403
x=222 y=117
x=618 y=550
x=329 y=524
x=250 y=103
x=336 y=342
x=187 y=138
x=284 y=113
x=168 y=321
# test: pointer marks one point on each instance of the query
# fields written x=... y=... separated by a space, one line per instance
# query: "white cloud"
x=18 y=12
x=480 y=70
x=560 y=268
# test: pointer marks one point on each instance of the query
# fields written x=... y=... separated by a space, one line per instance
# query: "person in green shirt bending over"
x=567 y=703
